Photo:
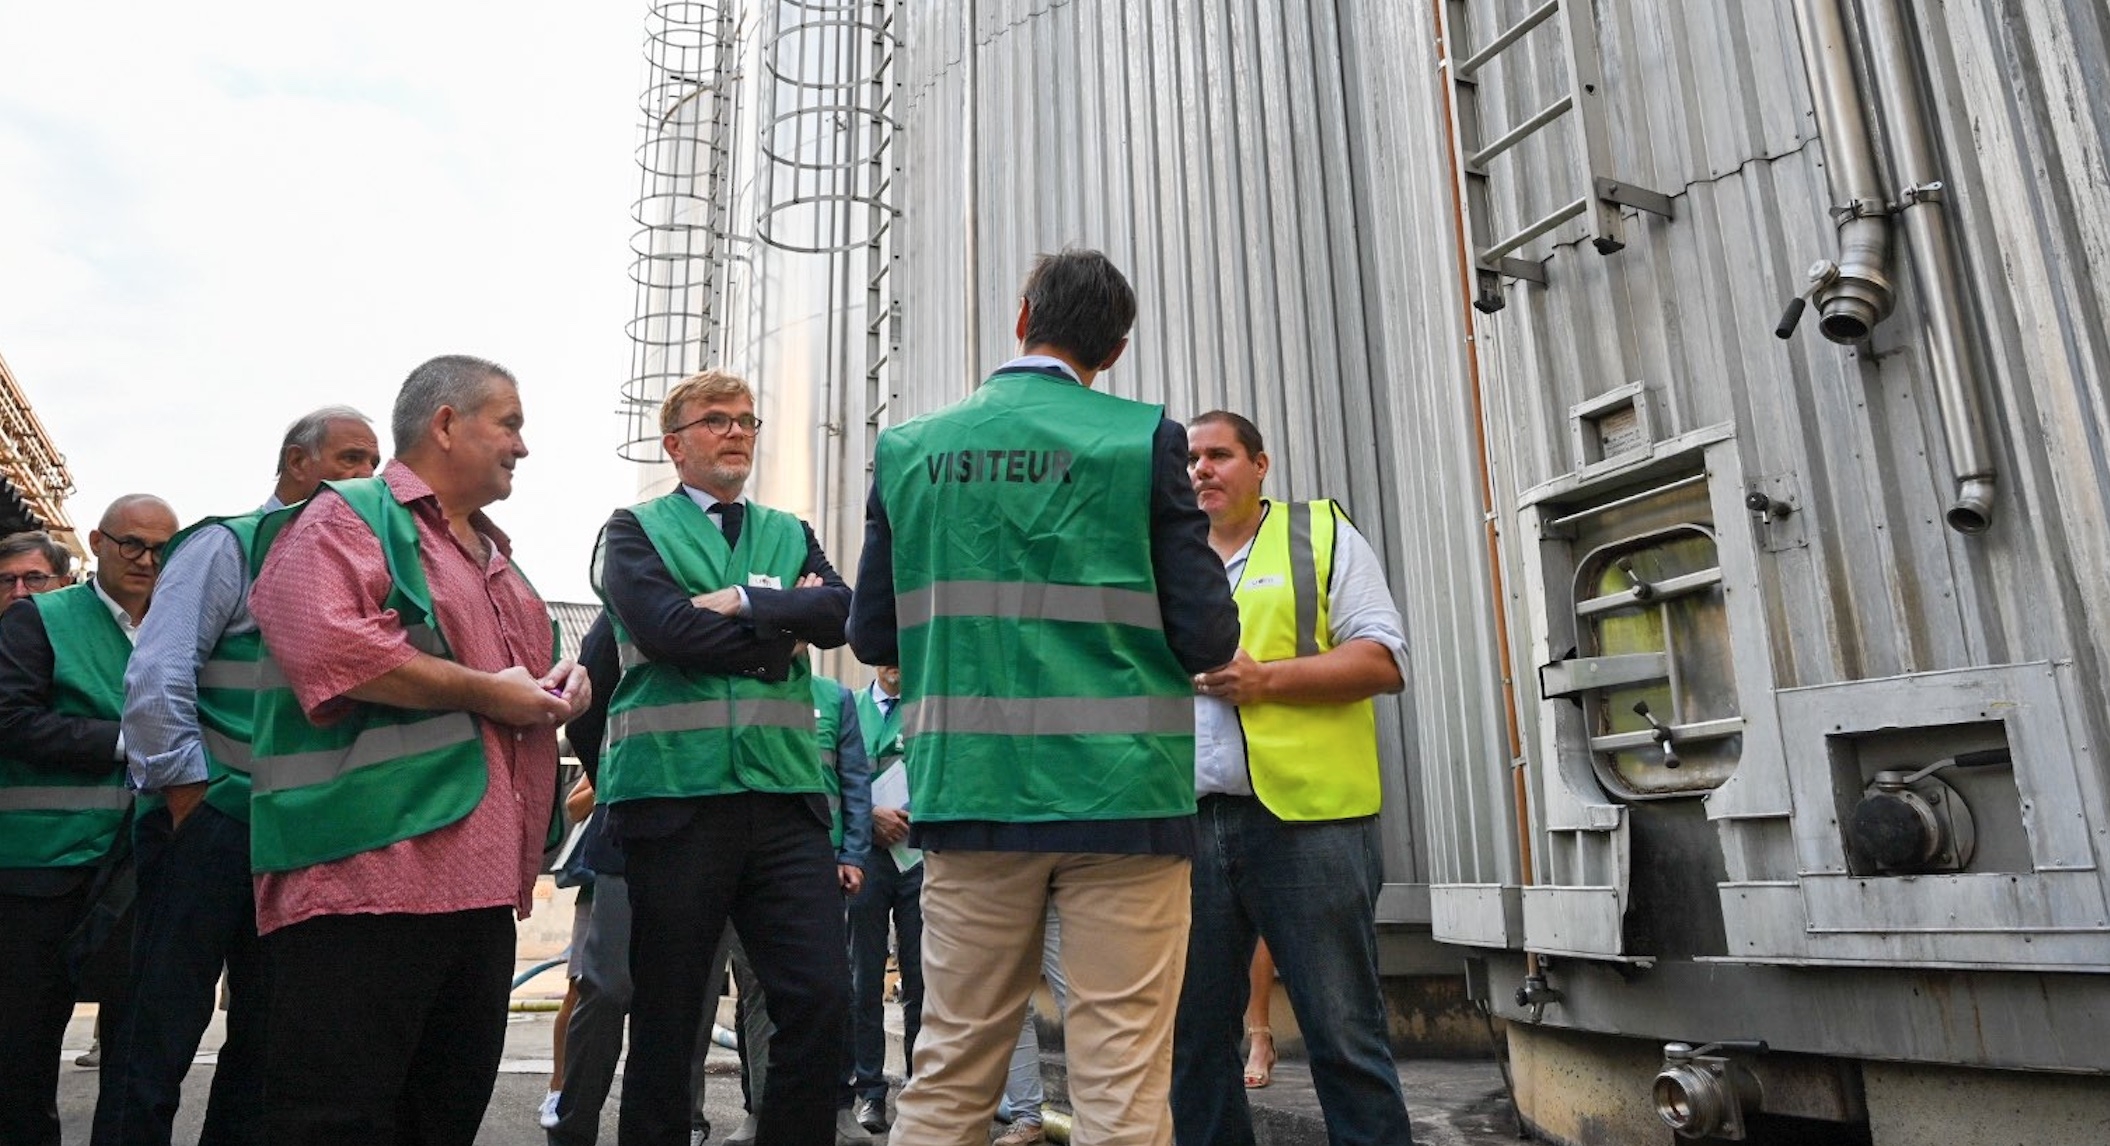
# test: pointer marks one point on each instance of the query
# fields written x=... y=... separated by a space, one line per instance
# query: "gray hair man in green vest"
x=712 y=775
x=63 y=798
x=1035 y=563
x=1287 y=774
x=403 y=766
x=189 y=695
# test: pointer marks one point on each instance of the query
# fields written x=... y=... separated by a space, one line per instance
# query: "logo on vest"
x=764 y=581
x=1268 y=582
x=1026 y=466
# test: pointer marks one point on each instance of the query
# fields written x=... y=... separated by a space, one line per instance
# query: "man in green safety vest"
x=714 y=783
x=189 y=696
x=1286 y=767
x=1035 y=563
x=63 y=799
x=403 y=769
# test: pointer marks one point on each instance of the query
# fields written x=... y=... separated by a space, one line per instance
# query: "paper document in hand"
x=890 y=790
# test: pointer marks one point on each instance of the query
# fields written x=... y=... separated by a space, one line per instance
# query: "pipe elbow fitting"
x=1972 y=511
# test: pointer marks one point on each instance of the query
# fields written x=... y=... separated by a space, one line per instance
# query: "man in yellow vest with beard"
x=1286 y=769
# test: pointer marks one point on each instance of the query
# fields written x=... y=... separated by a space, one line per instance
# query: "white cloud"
x=213 y=218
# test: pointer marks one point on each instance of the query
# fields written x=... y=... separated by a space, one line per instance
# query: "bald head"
x=127 y=546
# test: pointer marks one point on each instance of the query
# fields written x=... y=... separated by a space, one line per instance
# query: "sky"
x=215 y=217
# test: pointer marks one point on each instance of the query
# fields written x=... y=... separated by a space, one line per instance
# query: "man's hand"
x=889 y=825
x=853 y=877
x=514 y=697
x=568 y=682
x=1243 y=681
x=724 y=601
x=809 y=581
x=183 y=799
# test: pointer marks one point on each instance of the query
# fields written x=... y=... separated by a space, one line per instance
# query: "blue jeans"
x=1310 y=890
x=888 y=892
x=195 y=912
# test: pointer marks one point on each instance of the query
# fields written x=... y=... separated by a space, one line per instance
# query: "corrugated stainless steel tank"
x=1621 y=487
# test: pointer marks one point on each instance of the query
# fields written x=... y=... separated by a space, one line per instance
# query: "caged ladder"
x=1602 y=196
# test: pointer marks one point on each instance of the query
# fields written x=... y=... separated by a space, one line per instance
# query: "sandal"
x=1259 y=1068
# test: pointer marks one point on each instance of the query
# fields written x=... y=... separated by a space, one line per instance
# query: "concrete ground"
x=1453 y=1103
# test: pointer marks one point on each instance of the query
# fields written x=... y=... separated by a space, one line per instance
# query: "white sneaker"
x=547 y=1112
x=745 y=1136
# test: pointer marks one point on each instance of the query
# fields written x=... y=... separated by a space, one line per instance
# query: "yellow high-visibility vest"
x=1308 y=761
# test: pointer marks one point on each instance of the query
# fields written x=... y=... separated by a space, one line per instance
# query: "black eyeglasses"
x=133 y=548
x=34 y=582
x=722 y=424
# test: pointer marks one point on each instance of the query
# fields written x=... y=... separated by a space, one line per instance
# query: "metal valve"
x=1663 y=734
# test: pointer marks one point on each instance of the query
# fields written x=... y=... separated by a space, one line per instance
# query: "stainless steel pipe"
x=1860 y=296
x=1927 y=239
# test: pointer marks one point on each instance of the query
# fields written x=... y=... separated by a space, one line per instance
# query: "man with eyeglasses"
x=31 y=562
x=188 y=698
x=63 y=799
x=712 y=774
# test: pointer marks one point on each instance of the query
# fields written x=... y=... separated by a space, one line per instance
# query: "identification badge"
x=763 y=581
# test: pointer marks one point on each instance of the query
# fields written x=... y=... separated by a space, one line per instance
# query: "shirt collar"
x=413 y=491
x=880 y=695
x=1042 y=362
x=117 y=611
x=708 y=502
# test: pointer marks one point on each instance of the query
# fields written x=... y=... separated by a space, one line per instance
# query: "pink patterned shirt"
x=318 y=602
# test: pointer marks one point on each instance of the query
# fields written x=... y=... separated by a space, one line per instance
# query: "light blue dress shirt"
x=202 y=594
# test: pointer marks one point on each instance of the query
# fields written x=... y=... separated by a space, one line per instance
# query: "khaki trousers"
x=1124 y=949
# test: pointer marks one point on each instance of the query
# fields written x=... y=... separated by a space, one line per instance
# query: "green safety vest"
x=827 y=733
x=63 y=818
x=674 y=731
x=1037 y=685
x=1308 y=761
x=882 y=731
x=227 y=682
x=382 y=774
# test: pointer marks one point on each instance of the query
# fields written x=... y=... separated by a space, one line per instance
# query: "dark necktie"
x=729 y=515
x=886 y=706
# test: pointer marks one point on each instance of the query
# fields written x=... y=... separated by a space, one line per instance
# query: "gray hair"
x=458 y=380
x=308 y=431
x=29 y=541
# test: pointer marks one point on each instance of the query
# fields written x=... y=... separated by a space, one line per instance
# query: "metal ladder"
x=1494 y=257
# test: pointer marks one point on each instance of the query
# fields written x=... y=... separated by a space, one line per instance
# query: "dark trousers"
x=593 y=1039
x=386 y=1030
x=36 y=999
x=888 y=893
x=1310 y=890
x=764 y=862
x=196 y=912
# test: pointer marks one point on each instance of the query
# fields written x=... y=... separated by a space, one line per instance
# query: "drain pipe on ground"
x=1921 y=213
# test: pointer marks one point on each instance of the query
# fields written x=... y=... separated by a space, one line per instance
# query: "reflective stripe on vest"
x=65 y=798
x=1079 y=603
x=1308 y=762
x=697 y=715
x=1050 y=716
x=375 y=745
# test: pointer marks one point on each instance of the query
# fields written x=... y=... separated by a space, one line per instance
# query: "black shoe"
x=871 y=1114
